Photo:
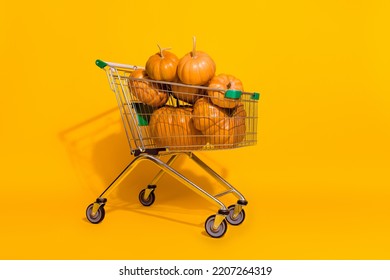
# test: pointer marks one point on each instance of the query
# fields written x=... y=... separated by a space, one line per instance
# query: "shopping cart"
x=169 y=119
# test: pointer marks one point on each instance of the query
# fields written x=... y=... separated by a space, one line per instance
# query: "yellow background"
x=317 y=182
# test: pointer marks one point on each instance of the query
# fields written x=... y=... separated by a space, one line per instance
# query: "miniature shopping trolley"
x=169 y=119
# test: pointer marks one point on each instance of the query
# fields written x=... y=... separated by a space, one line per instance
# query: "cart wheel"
x=215 y=233
x=149 y=201
x=98 y=217
x=235 y=221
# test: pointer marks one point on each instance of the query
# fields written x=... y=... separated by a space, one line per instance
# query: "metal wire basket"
x=173 y=119
x=168 y=116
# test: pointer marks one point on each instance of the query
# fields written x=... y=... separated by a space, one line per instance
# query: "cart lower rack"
x=170 y=119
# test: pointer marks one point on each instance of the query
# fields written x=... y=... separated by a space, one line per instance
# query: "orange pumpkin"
x=185 y=93
x=146 y=91
x=173 y=128
x=224 y=82
x=162 y=65
x=222 y=127
x=196 y=67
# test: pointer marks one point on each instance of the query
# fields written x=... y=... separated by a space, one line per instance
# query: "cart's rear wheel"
x=149 y=201
x=235 y=221
x=215 y=233
x=99 y=215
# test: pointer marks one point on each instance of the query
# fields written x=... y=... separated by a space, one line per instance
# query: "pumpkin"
x=220 y=126
x=185 y=93
x=196 y=67
x=224 y=82
x=146 y=91
x=173 y=128
x=162 y=65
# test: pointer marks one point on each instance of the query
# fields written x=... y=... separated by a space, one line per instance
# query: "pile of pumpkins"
x=208 y=118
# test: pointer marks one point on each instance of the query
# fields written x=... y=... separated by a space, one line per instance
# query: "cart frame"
x=216 y=224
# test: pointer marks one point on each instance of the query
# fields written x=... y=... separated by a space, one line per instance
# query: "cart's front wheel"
x=235 y=220
x=148 y=201
x=98 y=216
x=218 y=232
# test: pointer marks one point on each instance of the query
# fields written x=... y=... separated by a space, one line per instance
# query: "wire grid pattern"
x=178 y=117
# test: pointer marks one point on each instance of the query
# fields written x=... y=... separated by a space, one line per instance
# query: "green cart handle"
x=255 y=96
x=103 y=64
x=100 y=63
x=236 y=94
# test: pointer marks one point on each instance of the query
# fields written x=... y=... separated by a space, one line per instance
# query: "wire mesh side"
x=181 y=117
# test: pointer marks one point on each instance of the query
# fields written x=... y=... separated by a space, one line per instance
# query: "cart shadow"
x=80 y=143
x=98 y=150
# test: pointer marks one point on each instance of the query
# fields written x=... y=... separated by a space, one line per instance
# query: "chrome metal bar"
x=122 y=111
x=125 y=171
x=120 y=177
x=166 y=168
x=184 y=180
x=134 y=126
x=223 y=193
x=161 y=172
x=121 y=65
x=215 y=175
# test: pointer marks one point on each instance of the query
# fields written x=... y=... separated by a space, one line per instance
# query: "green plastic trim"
x=233 y=94
x=255 y=96
x=142 y=120
x=100 y=63
x=143 y=112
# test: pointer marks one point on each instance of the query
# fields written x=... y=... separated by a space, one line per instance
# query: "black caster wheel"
x=235 y=221
x=99 y=215
x=149 y=201
x=215 y=233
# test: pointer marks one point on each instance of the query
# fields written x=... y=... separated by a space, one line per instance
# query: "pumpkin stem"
x=193 y=47
x=162 y=50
